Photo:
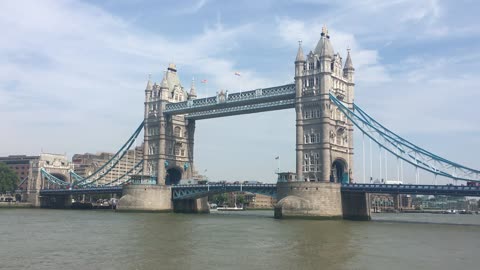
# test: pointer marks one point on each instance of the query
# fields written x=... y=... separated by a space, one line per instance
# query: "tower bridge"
x=323 y=98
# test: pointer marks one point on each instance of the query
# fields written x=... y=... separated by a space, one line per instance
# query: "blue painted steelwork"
x=52 y=179
x=77 y=178
x=414 y=189
x=109 y=165
x=138 y=168
x=243 y=109
x=95 y=190
x=180 y=192
x=152 y=180
x=273 y=98
x=403 y=149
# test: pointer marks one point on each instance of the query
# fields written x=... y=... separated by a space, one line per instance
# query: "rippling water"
x=66 y=239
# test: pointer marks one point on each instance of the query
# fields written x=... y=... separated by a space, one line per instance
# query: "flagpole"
x=278 y=164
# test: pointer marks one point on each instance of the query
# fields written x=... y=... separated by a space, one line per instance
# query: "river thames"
x=65 y=239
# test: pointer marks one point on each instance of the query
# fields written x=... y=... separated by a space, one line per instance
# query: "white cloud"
x=77 y=66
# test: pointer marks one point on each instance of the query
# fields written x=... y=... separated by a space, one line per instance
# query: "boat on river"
x=230 y=208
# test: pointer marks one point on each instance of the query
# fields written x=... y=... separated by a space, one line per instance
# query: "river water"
x=67 y=239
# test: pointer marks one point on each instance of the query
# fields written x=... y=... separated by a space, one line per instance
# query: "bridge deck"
x=198 y=191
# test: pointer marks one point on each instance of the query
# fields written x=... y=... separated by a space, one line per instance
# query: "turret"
x=324 y=51
x=193 y=93
x=148 y=95
x=299 y=69
x=164 y=89
x=348 y=69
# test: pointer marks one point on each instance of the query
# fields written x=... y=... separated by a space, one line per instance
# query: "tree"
x=8 y=178
x=240 y=199
x=219 y=199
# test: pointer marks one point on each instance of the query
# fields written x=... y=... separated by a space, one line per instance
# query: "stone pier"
x=318 y=200
x=191 y=206
x=355 y=206
x=155 y=198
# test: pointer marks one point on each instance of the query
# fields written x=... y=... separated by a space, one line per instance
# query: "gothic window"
x=183 y=152
x=177 y=131
x=331 y=67
x=307 y=138
x=310 y=66
x=311 y=82
x=318 y=113
x=312 y=138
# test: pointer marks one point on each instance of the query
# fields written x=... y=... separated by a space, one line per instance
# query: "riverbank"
x=15 y=205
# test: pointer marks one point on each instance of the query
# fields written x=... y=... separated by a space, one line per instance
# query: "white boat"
x=230 y=208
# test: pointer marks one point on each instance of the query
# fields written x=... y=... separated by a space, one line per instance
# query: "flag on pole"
x=237 y=73
x=203 y=81
x=277 y=157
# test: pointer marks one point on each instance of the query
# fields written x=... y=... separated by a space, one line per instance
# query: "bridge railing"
x=414 y=189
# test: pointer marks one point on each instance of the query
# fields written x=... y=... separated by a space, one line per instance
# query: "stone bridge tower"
x=324 y=137
x=168 y=150
x=168 y=140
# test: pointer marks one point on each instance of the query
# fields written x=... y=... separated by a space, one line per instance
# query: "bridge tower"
x=168 y=148
x=324 y=136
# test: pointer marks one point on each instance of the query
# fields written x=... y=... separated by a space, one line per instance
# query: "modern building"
x=86 y=164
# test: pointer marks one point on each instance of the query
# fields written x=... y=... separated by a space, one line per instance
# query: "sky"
x=73 y=73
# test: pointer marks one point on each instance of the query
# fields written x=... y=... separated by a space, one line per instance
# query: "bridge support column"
x=156 y=198
x=317 y=200
x=191 y=206
x=355 y=205
x=34 y=198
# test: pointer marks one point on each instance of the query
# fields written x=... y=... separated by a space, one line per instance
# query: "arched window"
x=177 y=131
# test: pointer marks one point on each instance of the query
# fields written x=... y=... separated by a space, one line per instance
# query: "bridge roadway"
x=180 y=192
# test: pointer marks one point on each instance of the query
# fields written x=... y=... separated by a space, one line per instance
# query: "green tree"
x=220 y=199
x=240 y=199
x=8 y=178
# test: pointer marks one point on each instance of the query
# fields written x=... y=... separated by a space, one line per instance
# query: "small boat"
x=226 y=208
x=230 y=208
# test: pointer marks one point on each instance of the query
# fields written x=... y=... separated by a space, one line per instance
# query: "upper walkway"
x=225 y=104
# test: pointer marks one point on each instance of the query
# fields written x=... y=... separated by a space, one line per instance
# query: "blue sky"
x=72 y=73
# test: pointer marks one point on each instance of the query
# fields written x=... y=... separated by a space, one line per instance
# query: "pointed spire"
x=149 y=83
x=324 y=47
x=193 y=93
x=300 y=57
x=348 y=62
x=164 y=83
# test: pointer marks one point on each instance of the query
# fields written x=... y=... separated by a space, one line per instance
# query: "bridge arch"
x=339 y=173
x=173 y=176
x=60 y=176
